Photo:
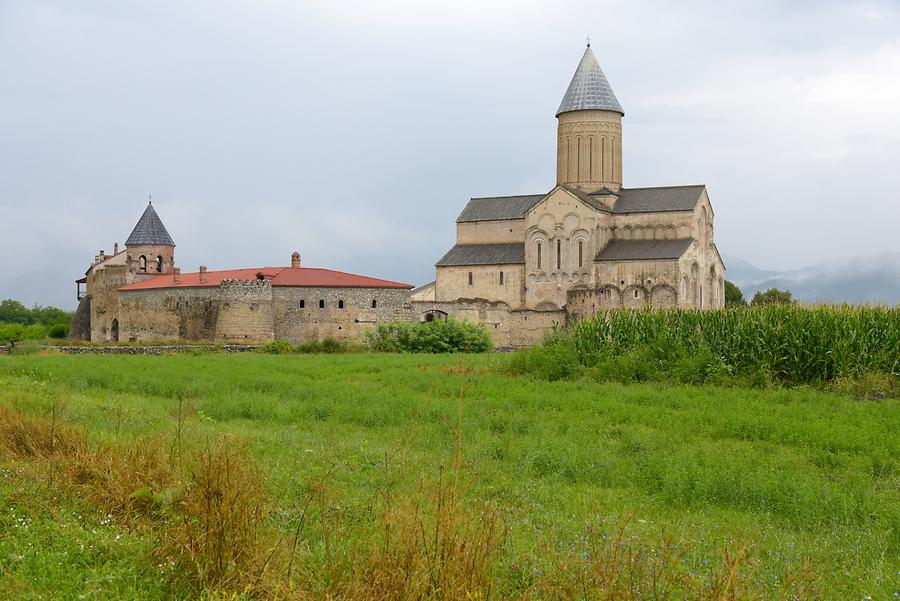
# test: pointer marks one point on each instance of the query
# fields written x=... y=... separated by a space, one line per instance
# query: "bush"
x=328 y=345
x=11 y=332
x=552 y=361
x=34 y=332
x=277 y=347
x=58 y=330
x=443 y=336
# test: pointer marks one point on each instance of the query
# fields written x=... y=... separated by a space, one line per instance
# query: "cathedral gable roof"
x=657 y=200
x=589 y=89
x=644 y=250
x=498 y=208
x=149 y=230
x=484 y=254
x=630 y=200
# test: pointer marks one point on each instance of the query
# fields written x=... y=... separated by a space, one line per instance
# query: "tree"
x=12 y=311
x=772 y=296
x=733 y=295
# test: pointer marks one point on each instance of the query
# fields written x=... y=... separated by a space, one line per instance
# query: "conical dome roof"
x=149 y=230
x=589 y=89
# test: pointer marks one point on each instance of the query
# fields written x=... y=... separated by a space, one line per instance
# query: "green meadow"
x=804 y=483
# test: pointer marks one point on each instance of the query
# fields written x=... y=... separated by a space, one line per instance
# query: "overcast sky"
x=355 y=131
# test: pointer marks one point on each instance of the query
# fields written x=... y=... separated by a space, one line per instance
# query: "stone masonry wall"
x=509 y=328
x=246 y=312
x=255 y=312
x=168 y=314
x=346 y=313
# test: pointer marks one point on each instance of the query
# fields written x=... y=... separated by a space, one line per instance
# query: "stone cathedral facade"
x=590 y=243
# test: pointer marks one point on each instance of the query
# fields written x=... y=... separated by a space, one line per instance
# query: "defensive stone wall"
x=303 y=314
x=168 y=314
x=253 y=311
x=246 y=312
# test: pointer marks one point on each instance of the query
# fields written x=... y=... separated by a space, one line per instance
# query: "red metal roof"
x=305 y=277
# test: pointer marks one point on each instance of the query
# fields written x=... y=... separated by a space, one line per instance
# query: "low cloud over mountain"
x=874 y=279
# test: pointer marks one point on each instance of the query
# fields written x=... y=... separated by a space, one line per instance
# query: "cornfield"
x=793 y=344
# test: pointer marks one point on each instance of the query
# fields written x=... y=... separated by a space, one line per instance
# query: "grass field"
x=808 y=483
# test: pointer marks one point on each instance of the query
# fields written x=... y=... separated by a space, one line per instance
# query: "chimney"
x=295 y=260
x=115 y=248
x=176 y=275
x=102 y=255
x=203 y=274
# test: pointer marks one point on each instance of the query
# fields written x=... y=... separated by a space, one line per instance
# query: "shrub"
x=552 y=361
x=58 y=330
x=443 y=336
x=277 y=347
x=11 y=332
x=328 y=345
x=34 y=332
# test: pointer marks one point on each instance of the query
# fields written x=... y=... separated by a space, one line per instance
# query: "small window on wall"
x=302 y=304
x=580 y=253
x=321 y=304
x=470 y=278
x=374 y=303
x=143 y=263
x=635 y=294
x=539 y=255
x=340 y=304
x=558 y=253
x=501 y=278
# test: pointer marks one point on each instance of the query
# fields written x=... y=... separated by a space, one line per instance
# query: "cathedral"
x=590 y=243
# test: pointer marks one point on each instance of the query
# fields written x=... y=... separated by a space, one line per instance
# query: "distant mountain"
x=857 y=280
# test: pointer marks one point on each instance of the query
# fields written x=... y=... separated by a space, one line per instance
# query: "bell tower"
x=149 y=249
x=589 y=133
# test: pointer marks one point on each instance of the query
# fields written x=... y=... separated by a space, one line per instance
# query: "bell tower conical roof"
x=149 y=230
x=589 y=89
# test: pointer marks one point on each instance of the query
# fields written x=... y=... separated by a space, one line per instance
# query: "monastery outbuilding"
x=137 y=294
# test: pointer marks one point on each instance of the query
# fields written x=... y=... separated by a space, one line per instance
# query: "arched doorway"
x=434 y=315
x=114 y=331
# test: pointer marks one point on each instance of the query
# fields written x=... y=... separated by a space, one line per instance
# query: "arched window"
x=159 y=264
x=470 y=278
x=581 y=253
x=143 y=263
x=558 y=253
x=340 y=304
x=374 y=303
x=539 y=255
x=501 y=278
x=321 y=304
x=302 y=304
